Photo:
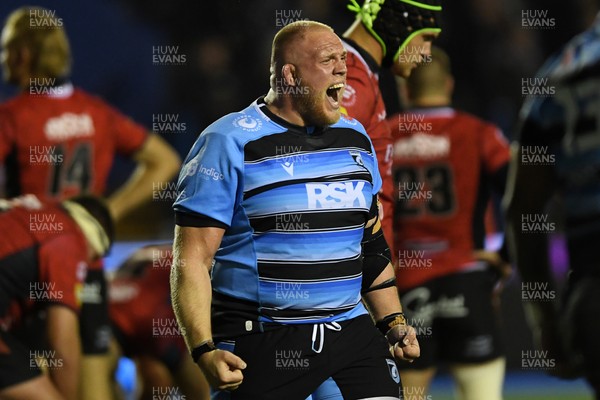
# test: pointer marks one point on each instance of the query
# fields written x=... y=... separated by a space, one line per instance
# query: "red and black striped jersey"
x=43 y=259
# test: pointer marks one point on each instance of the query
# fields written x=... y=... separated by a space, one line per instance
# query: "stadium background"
x=223 y=48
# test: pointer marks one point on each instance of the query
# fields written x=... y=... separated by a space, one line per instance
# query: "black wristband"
x=202 y=348
x=389 y=321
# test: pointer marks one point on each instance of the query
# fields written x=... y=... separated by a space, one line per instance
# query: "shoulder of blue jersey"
x=244 y=125
x=251 y=123
x=346 y=121
x=579 y=54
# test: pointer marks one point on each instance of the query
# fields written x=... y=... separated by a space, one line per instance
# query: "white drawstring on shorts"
x=319 y=330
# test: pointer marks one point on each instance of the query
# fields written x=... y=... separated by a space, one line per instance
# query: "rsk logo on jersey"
x=68 y=126
x=247 y=123
x=336 y=195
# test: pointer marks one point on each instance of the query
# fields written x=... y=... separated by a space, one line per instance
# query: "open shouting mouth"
x=334 y=94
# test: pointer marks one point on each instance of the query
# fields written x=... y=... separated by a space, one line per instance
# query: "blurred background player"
x=444 y=160
x=57 y=141
x=385 y=33
x=37 y=272
x=557 y=152
x=145 y=326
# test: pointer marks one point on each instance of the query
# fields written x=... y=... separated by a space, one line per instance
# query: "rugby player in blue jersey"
x=557 y=152
x=277 y=241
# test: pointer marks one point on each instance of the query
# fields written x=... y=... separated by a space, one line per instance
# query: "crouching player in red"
x=444 y=161
x=145 y=326
x=44 y=256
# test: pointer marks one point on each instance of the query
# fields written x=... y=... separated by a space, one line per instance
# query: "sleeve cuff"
x=197 y=220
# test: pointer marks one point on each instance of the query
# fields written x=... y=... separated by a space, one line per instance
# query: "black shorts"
x=454 y=319
x=94 y=322
x=291 y=361
x=17 y=363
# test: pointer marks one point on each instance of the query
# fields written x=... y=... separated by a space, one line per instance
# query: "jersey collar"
x=304 y=130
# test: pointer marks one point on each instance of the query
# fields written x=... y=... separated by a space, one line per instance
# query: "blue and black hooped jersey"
x=565 y=128
x=293 y=202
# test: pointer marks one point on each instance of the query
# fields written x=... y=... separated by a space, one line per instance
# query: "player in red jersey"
x=37 y=274
x=392 y=33
x=57 y=141
x=146 y=328
x=443 y=162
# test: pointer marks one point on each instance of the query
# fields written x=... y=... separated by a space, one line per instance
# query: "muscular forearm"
x=191 y=290
x=193 y=252
x=191 y=294
x=386 y=301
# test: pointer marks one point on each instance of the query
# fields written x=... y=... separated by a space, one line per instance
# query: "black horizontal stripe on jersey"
x=293 y=227
x=296 y=315
x=229 y=314
x=307 y=261
x=286 y=143
x=295 y=271
x=232 y=317
x=309 y=221
x=342 y=177
x=291 y=155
